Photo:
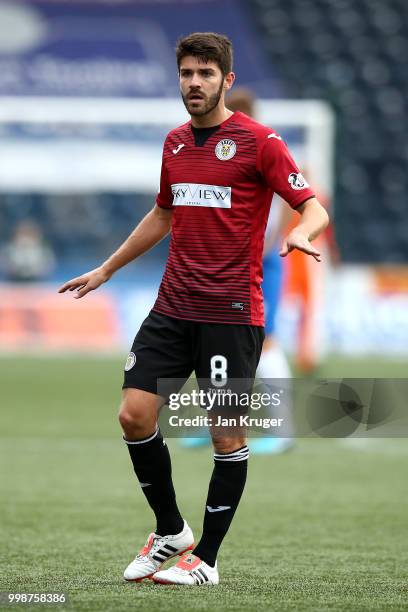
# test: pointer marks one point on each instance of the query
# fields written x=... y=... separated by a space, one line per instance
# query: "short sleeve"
x=281 y=172
x=164 y=197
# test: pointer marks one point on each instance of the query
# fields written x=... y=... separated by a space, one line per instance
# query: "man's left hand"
x=297 y=240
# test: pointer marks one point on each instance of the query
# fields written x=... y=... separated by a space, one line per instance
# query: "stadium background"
x=67 y=489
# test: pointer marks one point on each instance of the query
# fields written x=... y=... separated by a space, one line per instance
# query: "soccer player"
x=219 y=172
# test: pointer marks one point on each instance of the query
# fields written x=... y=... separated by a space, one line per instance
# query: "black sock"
x=226 y=486
x=152 y=465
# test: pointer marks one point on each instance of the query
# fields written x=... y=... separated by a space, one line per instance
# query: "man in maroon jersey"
x=219 y=173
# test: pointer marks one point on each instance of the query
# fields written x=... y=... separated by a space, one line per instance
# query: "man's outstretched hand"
x=297 y=240
x=86 y=283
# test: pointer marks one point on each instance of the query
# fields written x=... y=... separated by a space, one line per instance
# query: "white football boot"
x=190 y=570
x=157 y=550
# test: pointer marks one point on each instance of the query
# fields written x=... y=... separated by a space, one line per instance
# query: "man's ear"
x=229 y=80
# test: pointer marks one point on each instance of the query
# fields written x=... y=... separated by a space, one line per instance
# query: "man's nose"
x=195 y=80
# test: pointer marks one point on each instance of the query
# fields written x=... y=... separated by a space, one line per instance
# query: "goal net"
x=78 y=145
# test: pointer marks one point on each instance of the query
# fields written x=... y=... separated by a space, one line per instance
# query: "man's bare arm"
x=150 y=231
x=314 y=219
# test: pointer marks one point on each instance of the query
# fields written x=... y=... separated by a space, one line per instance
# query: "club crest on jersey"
x=130 y=362
x=297 y=181
x=225 y=149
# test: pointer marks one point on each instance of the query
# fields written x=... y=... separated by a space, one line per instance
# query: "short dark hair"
x=206 y=46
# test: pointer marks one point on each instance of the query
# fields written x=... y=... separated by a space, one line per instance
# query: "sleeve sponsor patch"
x=297 y=181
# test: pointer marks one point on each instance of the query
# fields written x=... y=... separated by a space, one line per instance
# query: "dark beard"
x=209 y=105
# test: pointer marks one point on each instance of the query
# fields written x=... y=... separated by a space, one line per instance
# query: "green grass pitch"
x=321 y=528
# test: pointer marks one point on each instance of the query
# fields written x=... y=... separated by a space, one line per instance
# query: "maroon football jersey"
x=221 y=194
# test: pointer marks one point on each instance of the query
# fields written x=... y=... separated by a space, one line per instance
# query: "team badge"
x=297 y=181
x=130 y=362
x=225 y=149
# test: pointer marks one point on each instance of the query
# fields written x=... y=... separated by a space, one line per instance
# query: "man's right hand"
x=87 y=282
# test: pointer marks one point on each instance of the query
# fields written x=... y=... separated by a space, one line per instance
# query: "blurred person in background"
x=27 y=257
x=219 y=172
x=305 y=285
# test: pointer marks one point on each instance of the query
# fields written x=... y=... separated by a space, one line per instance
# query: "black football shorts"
x=171 y=349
